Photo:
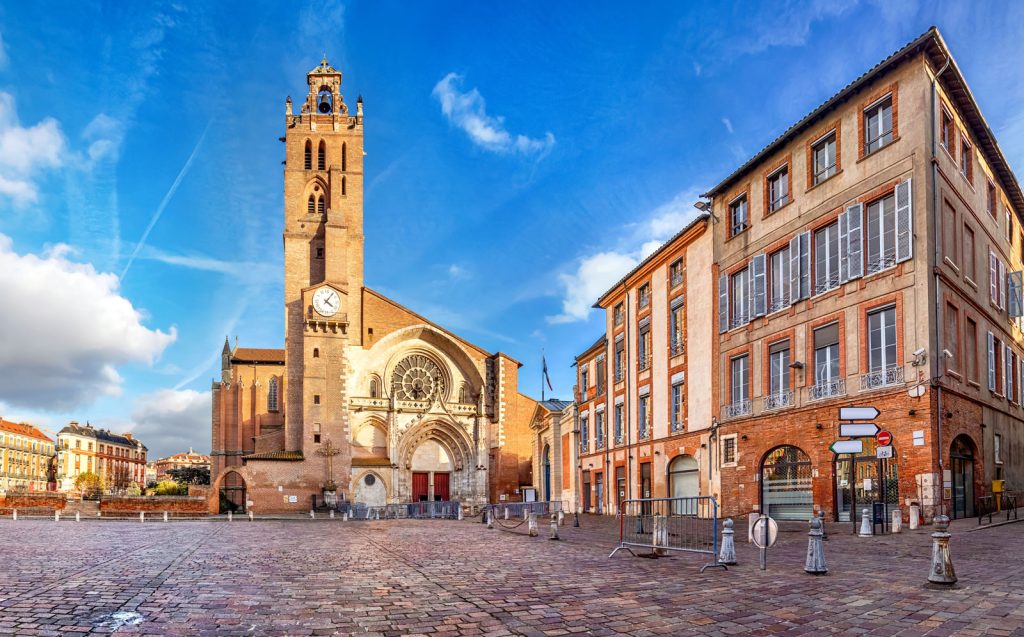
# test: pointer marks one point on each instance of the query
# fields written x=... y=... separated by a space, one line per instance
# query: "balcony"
x=827 y=389
x=737 y=409
x=677 y=426
x=599 y=443
x=618 y=438
x=645 y=362
x=645 y=431
x=739 y=319
x=881 y=378
x=779 y=303
x=620 y=375
x=677 y=347
x=778 y=400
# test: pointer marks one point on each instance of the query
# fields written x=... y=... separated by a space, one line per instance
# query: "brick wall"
x=53 y=501
x=153 y=503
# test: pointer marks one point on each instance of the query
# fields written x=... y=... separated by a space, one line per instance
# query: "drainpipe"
x=936 y=332
x=625 y=405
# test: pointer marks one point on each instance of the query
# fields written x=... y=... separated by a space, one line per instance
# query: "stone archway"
x=231 y=490
x=370 y=488
x=431 y=447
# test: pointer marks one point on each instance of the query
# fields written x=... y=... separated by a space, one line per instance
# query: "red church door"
x=420 y=486
x=441 y=487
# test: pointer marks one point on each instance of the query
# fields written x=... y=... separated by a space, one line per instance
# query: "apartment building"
x=872 y=255
x=119 y=459
x=643 y=389
x=163 y=466
x=26 y=455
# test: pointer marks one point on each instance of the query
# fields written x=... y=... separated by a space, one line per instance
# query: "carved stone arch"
x=444 y=345
x=406 y=360
x=370 y=438
x=374 y=386
x=450 y=435
x=359 y=481
x=308 y=156
x=317 y=188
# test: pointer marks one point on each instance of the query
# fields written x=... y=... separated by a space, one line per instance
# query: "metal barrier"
x=447 y=510
x=670 y=524
x=519 y=510
x=1006 y=502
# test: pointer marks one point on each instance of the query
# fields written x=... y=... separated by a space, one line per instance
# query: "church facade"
x=368 y=402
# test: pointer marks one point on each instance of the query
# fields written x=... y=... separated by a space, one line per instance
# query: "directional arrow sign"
x=858 y=413
x=858 y=429
x=847 y=446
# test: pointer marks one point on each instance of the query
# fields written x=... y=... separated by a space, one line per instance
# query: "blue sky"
x=520 y=158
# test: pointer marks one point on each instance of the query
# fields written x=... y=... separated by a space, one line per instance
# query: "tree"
x=133 y=489
x=190 y=475
x=89 y=484
x=170 y=487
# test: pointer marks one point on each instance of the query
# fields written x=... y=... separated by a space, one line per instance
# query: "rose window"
x=417 y=378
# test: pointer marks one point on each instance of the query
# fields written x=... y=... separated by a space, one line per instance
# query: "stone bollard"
x=230 y=518
x=165 y=516
x=56 y=516
x=312 y=514
x=526 y=514
x=532 y=517
x=660 y=534
x=332 y=514
x=897 y=521
x=815 y=563
x=344 y=516
x=554 y=527
x=561 y=518
x=78 y=516
x=460 y=513
x=378 y=514
x=728 y=553
x=865 y=524
x=14 y=515
x=824 y=533
x=142 y=516
x=490 y=518
x=915 y=517
x=252 y=516
x=506 y=513
x=942 y=562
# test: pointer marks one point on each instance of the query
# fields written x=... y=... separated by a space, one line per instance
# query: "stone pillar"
x=728 y=553
x=532 y=517
x=815 y=563
x=490 y=518
x=897 y=521
x=865 y=524
x=915 y=517
x=942 y=562
x=554 y=527
x=561 y=518
x=78 y=516
x=332 y=514
x=56 y=516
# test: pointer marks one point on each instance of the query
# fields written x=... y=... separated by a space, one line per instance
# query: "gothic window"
x=320 y=205
x=344 y=156
x=272 y=395
x=417 y=377
x=309 y=155
x=321 y=157
x=311 y=205
x=464 y=394
x=342 y=185
x=374 y=387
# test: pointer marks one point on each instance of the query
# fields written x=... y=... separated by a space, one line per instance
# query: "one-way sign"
x=858 y=429
x=858 y=413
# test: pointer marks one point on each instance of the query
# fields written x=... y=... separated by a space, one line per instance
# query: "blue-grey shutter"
x=904 y=222
x=723 y=303
x=1002 y=285
x=844 y=253
x=805 y=265
x=991 y=362
x=855 y=241
x=758 y=285
x=1015 y=283
x=794 y=269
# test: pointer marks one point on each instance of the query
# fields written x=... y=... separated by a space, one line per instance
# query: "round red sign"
x=883 y=438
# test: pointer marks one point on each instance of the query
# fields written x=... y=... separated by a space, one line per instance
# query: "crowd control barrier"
x=670 y=524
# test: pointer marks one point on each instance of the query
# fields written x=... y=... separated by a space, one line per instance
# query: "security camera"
x=920 y=352
x=946 y=353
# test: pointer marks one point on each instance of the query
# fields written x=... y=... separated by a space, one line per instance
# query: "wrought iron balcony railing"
x=886 y=377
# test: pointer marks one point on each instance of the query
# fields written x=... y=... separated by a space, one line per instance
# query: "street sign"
x=847 y=446
x=858 y=413
x=883 y=438
x=858 y=429
x=761 y=540
x=883 y=452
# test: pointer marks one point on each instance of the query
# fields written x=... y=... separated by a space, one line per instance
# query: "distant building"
x=190 y=460
x=25 y=455
x=119 y=459
x=554 y=452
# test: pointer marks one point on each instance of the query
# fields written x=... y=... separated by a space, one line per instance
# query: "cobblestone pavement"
x=458 y=578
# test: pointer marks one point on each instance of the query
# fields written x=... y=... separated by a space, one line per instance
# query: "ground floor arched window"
x=786 y=484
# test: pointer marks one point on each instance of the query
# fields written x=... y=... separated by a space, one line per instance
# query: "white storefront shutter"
x=904 y=222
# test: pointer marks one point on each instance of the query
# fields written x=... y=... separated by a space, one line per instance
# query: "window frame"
x=730 y=438
x=878 y=105
x=821 y=176
x=882 y=262
x=745 y=383
x=739 y=203
x=966 y=159
x=775 y=203
x=831 y=243
x=885 y=345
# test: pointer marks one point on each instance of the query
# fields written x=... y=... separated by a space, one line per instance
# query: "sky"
x=521 y=158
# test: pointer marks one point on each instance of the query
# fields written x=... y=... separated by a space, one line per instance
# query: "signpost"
x=766 y=531
x=884 y=438
x=858 y=413
x=858 y=429
x=847 y=446
x=883 y=452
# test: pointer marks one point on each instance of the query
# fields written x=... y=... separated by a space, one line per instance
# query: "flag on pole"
x=546 y=377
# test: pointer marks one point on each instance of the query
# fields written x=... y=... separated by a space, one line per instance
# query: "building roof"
x=701 y=218
x=290 y=456
x=451 y=334
x=554 y=404
x=598 y=344
x=257 y=355
x=88 y=431
x=932 y=44
x=189 y=456
x=23 y=429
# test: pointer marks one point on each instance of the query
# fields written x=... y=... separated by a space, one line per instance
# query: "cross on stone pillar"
x=328 y=450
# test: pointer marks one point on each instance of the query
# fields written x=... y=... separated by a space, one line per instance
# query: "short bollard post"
x=230 y=518
x=490 y=518
x=14 y=515
x=915 y=517
x=728 y=553
x=526 y=514
x=561 y=519
x=942 y=562
x=332 y=514
x=554 y=527
x=460 y=513
x=165 y=516
x=142 y=516
x=824 y=533
x=532 y=517
x=576 y=519
x=56 y=516
x=897 y=521
x=344 y=516
x=78 y=516
x=815 y=563
x=865 y=524
x=252 y=516
x=660 y=532
x=506 y=513
x=378 y=514
x=312 y=514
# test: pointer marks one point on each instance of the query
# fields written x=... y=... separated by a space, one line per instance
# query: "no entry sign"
x=883 y=438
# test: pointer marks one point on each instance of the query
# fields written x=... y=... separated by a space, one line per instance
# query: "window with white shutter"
x=904 y=222
x=991 y=362
x=1002 y=285
x=723 y=303
x=800 y=266
x=1007 y=371
x=758 y=285
x=993 y=278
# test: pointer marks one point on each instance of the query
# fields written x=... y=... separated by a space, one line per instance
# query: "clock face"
x=326 y=301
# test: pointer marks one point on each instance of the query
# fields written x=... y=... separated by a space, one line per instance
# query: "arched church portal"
x=437 y=462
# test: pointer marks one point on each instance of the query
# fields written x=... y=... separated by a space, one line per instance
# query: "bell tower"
x=323 y=259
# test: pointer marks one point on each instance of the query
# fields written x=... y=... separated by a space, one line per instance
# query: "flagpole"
x=542 y=374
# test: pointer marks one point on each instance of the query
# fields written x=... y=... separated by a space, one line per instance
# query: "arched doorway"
x=547 y=473
x=863 y=480
x=431 y=473
x=961 y=457
x=786 y=484
x=232 y=493
x=683 y=482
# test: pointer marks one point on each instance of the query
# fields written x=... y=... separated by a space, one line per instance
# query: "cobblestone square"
x=409 y=577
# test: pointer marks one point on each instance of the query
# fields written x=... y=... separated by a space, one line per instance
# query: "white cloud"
x=64 y=330
x=595 y=274
x=728 y=124
x=467 y=111
x=244 y=271
x=104 y=135
x=168 y=421
x=25 y=151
